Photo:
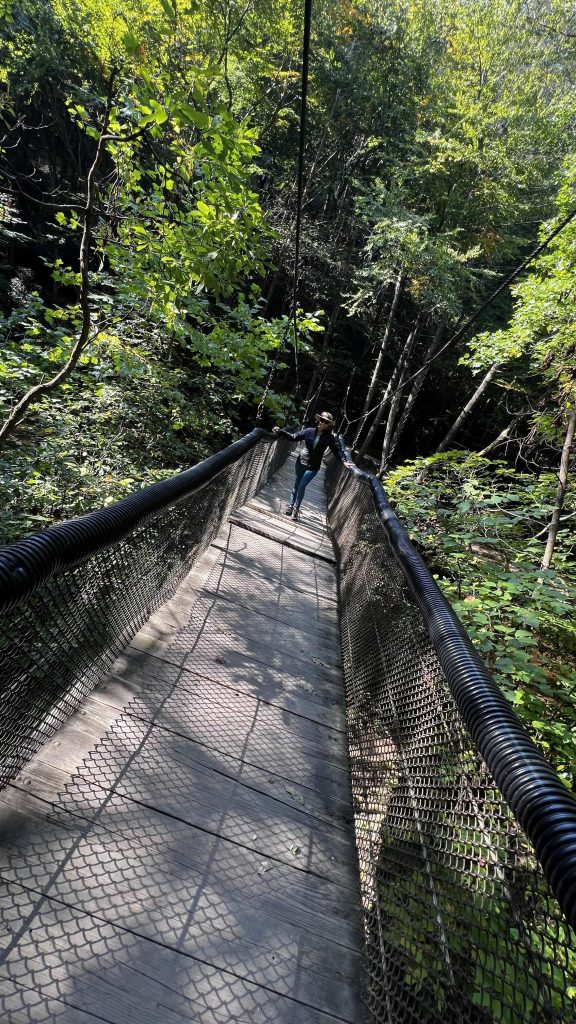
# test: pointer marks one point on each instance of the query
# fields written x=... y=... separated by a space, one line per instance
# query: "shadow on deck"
x=182 y=850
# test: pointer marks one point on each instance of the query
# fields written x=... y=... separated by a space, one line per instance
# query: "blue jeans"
x=303 y=478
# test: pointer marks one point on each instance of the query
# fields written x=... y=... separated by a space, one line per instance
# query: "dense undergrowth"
x=479 y=525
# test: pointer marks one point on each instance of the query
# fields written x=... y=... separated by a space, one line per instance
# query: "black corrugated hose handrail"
x=26 y=564
x=545 y=809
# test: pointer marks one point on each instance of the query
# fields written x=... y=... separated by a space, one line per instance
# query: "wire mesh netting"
x=58 y=643
x=461 y=926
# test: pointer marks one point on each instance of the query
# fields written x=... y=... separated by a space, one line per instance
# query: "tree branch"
x=84 y=338
x=561 y=490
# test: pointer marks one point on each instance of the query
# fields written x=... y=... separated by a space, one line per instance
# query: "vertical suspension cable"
x=300 y=195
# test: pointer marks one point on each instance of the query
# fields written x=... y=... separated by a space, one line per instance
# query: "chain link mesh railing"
x=461 y=925
x=75 y=594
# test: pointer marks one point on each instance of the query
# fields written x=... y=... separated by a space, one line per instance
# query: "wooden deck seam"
x=220 y=750
x=224 y=839
x=282 y=578
x=344 y=829
x=262 y=700
x=61 y=807
x=241 y=604
x=250 y=764
x=271 y=645
x=328 y=761
x=90 y=1016
x=224 y=630
x=286 y=542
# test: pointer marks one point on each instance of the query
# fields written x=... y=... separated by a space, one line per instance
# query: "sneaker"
x=288 y=511
x=296 y=513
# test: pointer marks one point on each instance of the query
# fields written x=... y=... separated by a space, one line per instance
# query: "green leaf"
x=169 y=9
x=131 y=44
x=159 y=114
x=187 y=114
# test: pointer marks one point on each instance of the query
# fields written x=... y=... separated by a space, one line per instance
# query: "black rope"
x=299 y=203
x=300 y=195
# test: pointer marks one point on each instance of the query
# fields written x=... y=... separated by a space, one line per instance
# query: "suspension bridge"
x=253 y=770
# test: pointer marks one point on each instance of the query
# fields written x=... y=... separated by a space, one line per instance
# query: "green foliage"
x=474 y=925
x=178 y=341
x=541 y=330
x=439 y=275
x=143 y=405
x=480 y=526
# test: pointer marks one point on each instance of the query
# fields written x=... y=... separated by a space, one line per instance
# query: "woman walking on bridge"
x=316 y=440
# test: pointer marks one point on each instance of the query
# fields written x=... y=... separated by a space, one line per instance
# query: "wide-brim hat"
x=325 y=417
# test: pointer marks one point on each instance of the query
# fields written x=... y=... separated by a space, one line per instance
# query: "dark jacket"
x=327 y=440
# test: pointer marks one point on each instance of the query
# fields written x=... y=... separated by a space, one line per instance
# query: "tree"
x=561 y=491
x=542 y=328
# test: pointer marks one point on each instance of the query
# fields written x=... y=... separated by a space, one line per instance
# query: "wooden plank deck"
x=183 y=850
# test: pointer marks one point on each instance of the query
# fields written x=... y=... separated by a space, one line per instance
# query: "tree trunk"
x=321 y=145
x=480 y=390
x=323 y=362
x=391 y=421
x=430 y=352
x=394 y=379
x=321 y=365
x=561 y=491
x=504 y=435
x=270 y=292
x=380 y=358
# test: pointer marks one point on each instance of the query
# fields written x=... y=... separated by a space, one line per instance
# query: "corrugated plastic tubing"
x=545 y=809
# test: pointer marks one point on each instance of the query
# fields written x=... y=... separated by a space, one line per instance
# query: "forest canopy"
x=148 y=193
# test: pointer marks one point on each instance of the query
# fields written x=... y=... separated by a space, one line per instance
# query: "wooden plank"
x=304 y=657
x=306 y=601
x=264 y=632
x=141 y=883
x=283 y=535
x=161 y=859
x=154 y=876
x=60 y=759
x=266 y=596
x=261 y=555
x=215 y=804
x=172 y=775
x=305 y=761
x=232 y=616
x=296 y=538
x=241 y=724
x=311 y=521
x=91 y=964
x=21 y=1005
x=276 y=612
x=272 y=633
x=303 y=774
x=226 y=660
x=280 y=605
x=293 y=576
